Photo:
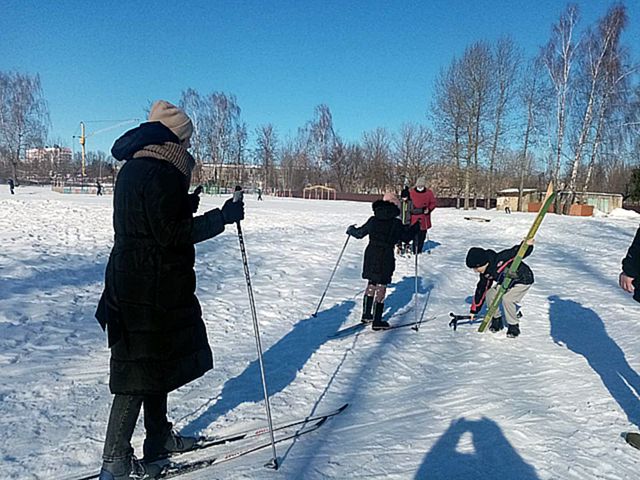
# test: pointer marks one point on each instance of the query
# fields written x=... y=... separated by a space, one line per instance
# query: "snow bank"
x=624 y=213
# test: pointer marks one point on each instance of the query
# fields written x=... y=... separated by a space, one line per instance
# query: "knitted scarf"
x=172 y=153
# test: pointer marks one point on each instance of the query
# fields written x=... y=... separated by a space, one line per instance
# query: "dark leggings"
x=122 y=421
x=418 y=243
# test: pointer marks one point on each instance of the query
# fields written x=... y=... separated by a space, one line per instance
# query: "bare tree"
x=322 y=139
x=447 y=111
x=475 y=71
x=532 y=97
x=24 y=116
x=611 y=93
x=413 y=152
x=506 y=61
x=194 y=106
x=376 y=146
x=598 y=56
x=295 y=162
x=558 y=57
x=221 y=130
x=266 y=154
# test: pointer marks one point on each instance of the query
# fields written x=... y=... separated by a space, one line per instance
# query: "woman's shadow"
x=583 y=332
x=490 y=455
x=282 y=362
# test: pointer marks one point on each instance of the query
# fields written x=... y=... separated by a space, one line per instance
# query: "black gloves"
x=232 y=212
x=194 y=199
x=351 y=230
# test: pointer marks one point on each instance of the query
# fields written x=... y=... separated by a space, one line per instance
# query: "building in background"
x=47 y=159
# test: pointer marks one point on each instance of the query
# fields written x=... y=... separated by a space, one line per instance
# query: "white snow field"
x=433 y=404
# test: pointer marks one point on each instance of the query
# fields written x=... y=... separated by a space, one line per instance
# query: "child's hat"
x=477 y=257
x=391 y=197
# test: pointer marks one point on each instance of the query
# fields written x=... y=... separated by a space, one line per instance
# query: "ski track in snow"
x=436 y=404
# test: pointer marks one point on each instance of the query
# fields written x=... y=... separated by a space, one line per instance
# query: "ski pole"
x=428 y=243
x=415 y=290
x=331 y=277
x=273 y=463
x=416 y=327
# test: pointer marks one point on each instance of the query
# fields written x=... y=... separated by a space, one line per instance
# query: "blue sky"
x=372 y=62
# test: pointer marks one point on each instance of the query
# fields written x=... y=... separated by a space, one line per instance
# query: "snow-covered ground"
x=433 y=404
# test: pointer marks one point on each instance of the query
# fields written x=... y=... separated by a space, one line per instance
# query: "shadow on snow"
x=488 y=456
x=360 y=386
x=45 y=280
x=583 y=332
x=282 y=362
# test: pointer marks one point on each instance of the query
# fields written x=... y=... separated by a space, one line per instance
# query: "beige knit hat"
x=421 y=182
x=173 y=118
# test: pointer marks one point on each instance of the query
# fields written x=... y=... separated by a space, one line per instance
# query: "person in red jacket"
x=423 y=203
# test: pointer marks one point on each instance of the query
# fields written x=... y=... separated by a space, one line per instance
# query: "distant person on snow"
x=259 y=194
x=99 y=188
x=12 y=186
x=149 y=309
x=385 y=230
x=493 y=267
x=630 y=275
x=423 y=202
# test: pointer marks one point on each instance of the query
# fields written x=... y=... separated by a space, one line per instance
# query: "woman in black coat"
x=153 y=319
x=385 y=230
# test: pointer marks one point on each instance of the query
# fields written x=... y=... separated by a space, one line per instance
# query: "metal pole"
x=331 y=277
x=273 y=463
x=415 y=290
x=82 y=142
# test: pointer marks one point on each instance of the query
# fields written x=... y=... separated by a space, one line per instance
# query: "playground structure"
x=319 y=192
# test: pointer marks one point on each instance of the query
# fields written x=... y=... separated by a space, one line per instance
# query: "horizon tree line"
x=496 y=119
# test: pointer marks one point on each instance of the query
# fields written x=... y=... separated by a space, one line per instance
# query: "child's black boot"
x=378 y=323
x=367 y=306
x=496 y=324
x=513 y=331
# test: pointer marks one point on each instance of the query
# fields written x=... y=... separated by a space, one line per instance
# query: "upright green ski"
x=517 y=260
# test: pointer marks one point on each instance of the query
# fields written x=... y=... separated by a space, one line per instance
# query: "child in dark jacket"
x=493 y=267
x=385 y=230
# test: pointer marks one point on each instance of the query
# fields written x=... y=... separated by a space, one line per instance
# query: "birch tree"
x=24 y=115
x=558 y=57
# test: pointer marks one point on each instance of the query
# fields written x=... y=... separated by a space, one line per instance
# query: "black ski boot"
x=129 y=468
x=378 y=323
x=513 y=331
x=496 y=324
x=172 y=442
x=367 y=305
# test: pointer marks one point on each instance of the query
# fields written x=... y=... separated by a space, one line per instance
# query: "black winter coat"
x=496 y=271
x=149 y=308
x=631 y=264
x=385 y=230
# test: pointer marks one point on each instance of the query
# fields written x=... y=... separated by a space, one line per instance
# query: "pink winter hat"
x=391 y=197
